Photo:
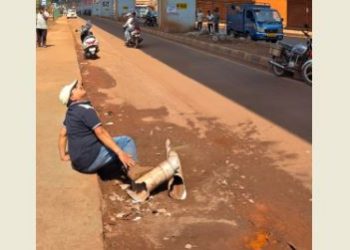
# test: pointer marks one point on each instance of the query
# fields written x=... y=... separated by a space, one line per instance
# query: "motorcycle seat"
x=88 y=37
x=134 y=32
x=285 y=45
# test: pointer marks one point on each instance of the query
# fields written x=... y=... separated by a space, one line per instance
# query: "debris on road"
x=137 y=218
x=121 y=215
x=188 y=246
x=167 y=171
x=251 y=201
x=108 y=113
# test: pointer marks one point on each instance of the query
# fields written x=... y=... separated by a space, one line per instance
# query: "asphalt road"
x=283 y=101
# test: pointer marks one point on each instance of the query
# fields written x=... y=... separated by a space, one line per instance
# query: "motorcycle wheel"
x=137 y=43
x=307 y=74
x=277 y=70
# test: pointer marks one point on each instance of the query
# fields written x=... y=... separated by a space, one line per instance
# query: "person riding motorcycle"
x=86 y=30
x=130 y=25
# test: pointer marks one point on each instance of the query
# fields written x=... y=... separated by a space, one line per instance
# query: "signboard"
x=181 y=6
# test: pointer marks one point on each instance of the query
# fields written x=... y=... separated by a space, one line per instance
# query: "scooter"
x=89 y=41
x=135 y=39
x=297 y=58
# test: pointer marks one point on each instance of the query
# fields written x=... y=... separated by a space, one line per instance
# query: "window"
x=267 y=16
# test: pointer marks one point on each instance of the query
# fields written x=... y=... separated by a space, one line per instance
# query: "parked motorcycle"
x=136 y=38
x=150 y=21
x=297 y=58
x=89 y=41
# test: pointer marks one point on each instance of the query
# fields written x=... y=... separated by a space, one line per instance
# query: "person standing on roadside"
x=41 y=26
x=216 y=20
x=210 y=18
x=200 y=17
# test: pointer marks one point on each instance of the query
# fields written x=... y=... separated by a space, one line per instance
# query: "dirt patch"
x=237 y=197
x=242 y=44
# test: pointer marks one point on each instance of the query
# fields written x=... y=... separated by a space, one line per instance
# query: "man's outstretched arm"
x=62 y=144
x=103 y=135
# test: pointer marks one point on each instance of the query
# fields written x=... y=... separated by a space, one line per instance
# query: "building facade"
x=295 y=13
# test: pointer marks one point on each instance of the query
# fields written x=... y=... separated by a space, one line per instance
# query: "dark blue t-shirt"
x=83 y=145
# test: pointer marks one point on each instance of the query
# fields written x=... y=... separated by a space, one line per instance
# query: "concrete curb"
x=233 y=54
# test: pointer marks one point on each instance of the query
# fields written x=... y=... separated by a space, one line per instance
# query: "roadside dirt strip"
x=248 y=180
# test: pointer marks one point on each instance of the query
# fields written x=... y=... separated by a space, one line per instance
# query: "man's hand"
x=126 y=159
x=66 y=157
x=107 y=140
x=62 y=144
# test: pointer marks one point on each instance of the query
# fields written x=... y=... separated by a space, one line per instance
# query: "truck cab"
x=257 y=21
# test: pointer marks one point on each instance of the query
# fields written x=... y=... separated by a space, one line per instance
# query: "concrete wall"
x=96 y=9
x=123 y=7
x=176 y=15
x=110 y=8
x=107 y=7
x=85 y=5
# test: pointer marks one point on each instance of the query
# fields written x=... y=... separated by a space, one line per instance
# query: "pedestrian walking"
x=41 y=27
x=210 y=18
x=90 y=146
x=200 y=16
x=216 y=20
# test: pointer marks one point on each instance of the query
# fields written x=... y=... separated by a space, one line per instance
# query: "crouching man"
x=90 y=146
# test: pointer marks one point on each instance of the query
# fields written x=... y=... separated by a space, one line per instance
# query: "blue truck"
x=257 y=21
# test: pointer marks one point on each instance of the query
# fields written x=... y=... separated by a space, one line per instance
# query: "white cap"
x=66 y=91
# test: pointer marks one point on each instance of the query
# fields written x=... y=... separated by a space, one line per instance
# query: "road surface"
x=243 y=136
